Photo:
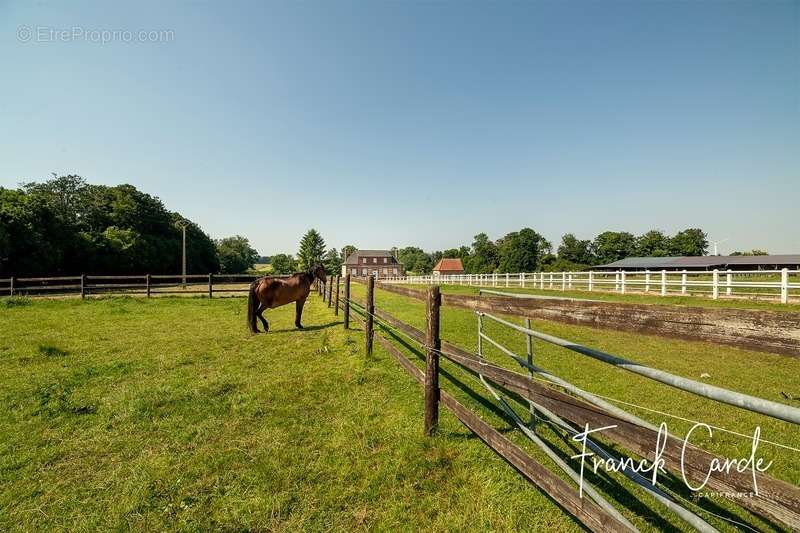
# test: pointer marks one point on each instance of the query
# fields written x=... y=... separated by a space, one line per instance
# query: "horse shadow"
x=306 y=328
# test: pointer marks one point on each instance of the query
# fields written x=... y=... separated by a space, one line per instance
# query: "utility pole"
x=182 y=223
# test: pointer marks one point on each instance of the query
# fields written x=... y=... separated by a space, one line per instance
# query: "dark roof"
x=354 y=258
x=706 y=261
x=449 y=265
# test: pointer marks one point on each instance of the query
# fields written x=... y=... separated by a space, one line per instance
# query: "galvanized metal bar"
x=664 y=498
x=588 y=396
x=586 y=487
x=737 y=399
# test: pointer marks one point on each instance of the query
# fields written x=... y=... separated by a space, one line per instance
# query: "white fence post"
x=569 y=280
x=663 y=283
x=591 y=280
x=551 y=280
x=522 y=279
x=622 y=281
x=728 y=284
x=646 y=281
x=616 y=281
x=563 y=281
x=784 y=285
x=715 y=283
x=683 y=282
x=507 y=274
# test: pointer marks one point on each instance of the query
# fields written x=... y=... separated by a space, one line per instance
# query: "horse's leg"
x=299 y=313
x=260 y=316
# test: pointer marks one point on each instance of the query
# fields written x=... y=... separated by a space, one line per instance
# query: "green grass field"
x=758 y=374
x=691 y=301
x=129 y=413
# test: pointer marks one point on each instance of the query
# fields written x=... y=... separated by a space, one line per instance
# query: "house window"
x=363 y=271
x=385 y=260
x=374 y=260
x=385 y=270
x=365 y=261
x=354 y=271
x=394 y=271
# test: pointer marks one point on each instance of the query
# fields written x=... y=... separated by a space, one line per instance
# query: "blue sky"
x=397 y=123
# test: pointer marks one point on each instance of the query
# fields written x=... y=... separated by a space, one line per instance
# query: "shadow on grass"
x=306 y=328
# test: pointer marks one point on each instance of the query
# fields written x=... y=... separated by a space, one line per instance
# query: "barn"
x=448 y=266
x=707 y=262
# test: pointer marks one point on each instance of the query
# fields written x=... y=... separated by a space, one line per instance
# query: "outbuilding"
x=448 y=266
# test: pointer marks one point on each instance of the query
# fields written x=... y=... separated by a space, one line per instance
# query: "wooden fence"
x=143 y=284
x=781 y=285
x=777 y=501
x=752 y=329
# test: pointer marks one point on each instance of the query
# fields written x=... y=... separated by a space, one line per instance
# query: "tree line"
x=66 y=226
x=526 y=251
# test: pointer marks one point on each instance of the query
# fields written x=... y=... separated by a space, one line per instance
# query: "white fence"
x=782 y=284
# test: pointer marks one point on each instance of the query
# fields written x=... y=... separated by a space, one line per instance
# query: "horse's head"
x=319 y=273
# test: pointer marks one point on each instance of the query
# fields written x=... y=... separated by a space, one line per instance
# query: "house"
x=706 y=262
x=447 y=266
x=378 y=263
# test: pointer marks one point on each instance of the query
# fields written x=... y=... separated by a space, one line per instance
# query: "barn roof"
x=449 y=264
x=706 y=261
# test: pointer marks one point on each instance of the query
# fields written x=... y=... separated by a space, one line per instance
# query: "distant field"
x=693 y=301
x=128 y=413
x=266 y=268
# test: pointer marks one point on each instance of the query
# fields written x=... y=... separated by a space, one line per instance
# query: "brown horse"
x=269 y=293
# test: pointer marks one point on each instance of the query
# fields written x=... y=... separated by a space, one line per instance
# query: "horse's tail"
x=252 y=306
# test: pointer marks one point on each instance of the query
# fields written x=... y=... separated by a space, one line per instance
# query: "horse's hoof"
x=298 y=326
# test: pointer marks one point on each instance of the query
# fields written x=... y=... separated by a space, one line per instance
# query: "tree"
x=332 y=262
x=691 y=241
x=283 y=264
x=347 y=250
x=312 y=248
x=653 y=244
x=521 y=251
x=751 y=252
x=484 y=257
x=612 y=246
x=414 y=260
x=65 y=226
x=575 y=250
x=236 y=256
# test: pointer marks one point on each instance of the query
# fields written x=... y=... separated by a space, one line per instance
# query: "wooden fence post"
x=210 y=285
x=336 y=306
x=434 y=344
x=11 y=287
x=347 y=301
x=330 y=292
x=83 y=286
x=147 y=284
x=370 y=308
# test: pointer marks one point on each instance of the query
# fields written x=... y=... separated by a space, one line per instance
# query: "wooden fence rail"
x=144 y=284
x=753 y=329
x=777 y=500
